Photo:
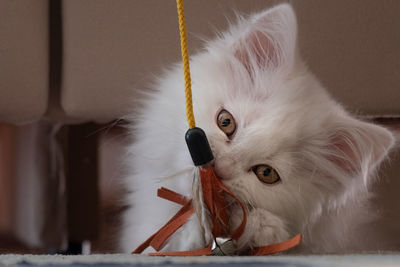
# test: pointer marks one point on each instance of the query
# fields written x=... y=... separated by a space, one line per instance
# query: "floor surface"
x=103 y=260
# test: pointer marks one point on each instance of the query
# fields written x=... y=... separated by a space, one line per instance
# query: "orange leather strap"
x=158 y=239
x=144 y=245
x=170 y=195
x=197 y=252
x=277 y=247
x=167 y=230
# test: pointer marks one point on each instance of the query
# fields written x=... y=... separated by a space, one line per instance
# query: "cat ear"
x=269 y=40
x=358 y=147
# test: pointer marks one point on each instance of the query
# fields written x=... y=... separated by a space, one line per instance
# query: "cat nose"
x=223 y=167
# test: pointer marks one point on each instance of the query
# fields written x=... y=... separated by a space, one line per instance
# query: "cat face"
x=280 y=142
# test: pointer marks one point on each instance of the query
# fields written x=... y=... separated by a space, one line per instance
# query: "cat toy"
x=209 y=193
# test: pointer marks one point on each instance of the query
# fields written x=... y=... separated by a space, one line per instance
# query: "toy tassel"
x=208 y=199
x=209 y=195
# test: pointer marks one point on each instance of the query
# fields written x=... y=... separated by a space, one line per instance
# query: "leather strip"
x=197 y=252
x=277 y=247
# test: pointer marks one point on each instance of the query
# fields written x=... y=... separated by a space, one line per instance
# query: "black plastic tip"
x=199 y=147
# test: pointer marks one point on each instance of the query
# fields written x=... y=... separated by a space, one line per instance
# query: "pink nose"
x=223 y=167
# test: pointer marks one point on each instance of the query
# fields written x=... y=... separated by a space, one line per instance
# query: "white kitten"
x=297 y=159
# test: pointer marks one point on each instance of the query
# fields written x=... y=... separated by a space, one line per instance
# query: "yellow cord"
x=186 y=68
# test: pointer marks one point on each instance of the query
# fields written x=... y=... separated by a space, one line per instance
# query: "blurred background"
x=70 y=70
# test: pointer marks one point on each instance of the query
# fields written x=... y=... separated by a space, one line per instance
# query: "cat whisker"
x=176 y=174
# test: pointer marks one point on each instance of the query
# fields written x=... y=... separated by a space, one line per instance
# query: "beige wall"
x=23 y=60
x=112 y=48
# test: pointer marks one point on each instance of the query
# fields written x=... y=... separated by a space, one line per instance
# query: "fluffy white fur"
x=326 y=158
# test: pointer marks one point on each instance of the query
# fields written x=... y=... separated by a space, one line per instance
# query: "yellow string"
x=186 y=68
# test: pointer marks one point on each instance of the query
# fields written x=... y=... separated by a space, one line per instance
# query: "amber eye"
x=226 y=122
x=266 y=174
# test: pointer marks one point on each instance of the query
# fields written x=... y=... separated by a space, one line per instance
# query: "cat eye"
x=266 y=174
x=226 y=122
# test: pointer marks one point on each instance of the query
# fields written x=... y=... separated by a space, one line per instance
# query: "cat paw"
x=262 y=228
